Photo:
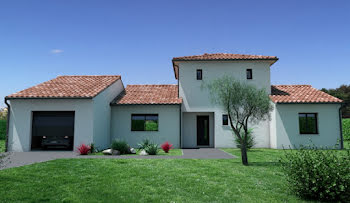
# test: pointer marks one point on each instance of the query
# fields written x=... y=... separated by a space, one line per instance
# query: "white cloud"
x=56 y=51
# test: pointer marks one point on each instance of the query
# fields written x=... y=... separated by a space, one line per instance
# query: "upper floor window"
x=308 y=123
x=199 y=74
x=144 y=122
x=249 y=74
x=225 y=119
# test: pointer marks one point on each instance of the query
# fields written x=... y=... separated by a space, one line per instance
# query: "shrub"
x=144 y=144
x=92 y=148
x=346 y=129
x=121 y=146
x=250 y=139
x=318 y=173
x=166 y=147
x=152 y=149
x=84 y=149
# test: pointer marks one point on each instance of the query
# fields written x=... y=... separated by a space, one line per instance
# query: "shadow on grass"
x=265 y=164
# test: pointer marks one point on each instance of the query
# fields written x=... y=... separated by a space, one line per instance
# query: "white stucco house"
x=99 y=109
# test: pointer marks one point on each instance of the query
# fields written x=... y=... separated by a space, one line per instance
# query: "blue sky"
x=137 y=39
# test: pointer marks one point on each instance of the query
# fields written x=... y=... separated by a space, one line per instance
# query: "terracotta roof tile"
x=69 y=87
x=223 y=56
x=300 y=94
x=149 y=94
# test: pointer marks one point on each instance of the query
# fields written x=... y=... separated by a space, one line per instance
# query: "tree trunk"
x=244 y=154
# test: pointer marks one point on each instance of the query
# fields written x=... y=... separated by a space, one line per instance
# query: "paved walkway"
x=16 y=159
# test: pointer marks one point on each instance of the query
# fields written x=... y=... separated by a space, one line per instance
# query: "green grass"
x=141 y=180
x=173 y=152
x=2 y=146
x=2 y=129
x=2 y=135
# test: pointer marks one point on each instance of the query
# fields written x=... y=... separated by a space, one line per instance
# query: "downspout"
x=341 y=128
x=7 y=124
x=180 y=127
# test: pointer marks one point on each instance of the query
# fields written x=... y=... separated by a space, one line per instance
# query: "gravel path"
x=15 y=159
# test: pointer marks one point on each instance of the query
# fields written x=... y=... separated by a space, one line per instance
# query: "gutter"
x=341 y=128
x=7 y=124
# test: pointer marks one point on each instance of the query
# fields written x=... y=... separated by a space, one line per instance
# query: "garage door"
x=53 y=130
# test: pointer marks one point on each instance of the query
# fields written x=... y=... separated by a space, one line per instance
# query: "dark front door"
x=202 y=130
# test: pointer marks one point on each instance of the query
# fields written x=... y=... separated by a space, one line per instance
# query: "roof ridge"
x=227 y=54
x=303 y=85
x=151 y=84
x=89 y=76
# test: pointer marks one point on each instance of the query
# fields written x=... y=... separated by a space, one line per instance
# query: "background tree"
x=244 y=104
x=3 y=113
x=343 y=93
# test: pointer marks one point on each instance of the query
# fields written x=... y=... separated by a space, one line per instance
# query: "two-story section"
x=204 y=124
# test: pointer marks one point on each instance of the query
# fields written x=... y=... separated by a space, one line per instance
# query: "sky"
x=40 y=40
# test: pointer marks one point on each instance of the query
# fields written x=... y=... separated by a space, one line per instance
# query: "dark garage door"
x=53 y=130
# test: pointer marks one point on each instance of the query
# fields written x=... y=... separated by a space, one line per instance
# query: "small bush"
x=84 y=149
x=144 y=144
x=346 y=129
x=318 y=174
x=166 y=147
x=250 y=139
x=92 y=148
x=121 y=146
x=152 y=149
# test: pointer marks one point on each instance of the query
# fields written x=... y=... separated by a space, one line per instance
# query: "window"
x=144 y=122
x=249 y=74
x=225 y=119
x=308 y=123
x=199 y=74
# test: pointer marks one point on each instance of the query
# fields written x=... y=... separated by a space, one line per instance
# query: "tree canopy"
x=244 y=104
x=343 y=93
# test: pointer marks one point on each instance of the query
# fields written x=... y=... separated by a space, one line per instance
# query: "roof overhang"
x=177 y=61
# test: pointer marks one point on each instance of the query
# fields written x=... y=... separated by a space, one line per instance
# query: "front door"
x=203 y=130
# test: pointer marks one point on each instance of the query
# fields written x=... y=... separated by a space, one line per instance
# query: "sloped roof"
x=224 y=56
x=82 y=86
x=148 y=94
x=300 y=94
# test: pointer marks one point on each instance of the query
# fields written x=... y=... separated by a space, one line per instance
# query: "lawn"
x=139 y=180
x=151 y=180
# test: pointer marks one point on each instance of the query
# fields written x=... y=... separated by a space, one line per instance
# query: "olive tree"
x=244 y=103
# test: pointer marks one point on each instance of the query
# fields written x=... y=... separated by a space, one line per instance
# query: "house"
x=99 y=109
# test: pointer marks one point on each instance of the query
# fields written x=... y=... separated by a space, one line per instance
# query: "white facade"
x=196 y=100
x=102 y=114
x=168 y=122
x=96 y=121
x=91 y=118
x=20 y=128
x=286 y=125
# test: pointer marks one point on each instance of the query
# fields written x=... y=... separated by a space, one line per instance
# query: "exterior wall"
x=196 y=99
x=189 y=129
x=20 y=127
x=102 y=114
x=168 y=120
x=273 y=133
x=287 y=125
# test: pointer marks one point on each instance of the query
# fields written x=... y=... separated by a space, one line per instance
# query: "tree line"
x=343 y=93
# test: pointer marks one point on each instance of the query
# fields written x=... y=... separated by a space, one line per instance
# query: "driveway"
x=15 y=159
